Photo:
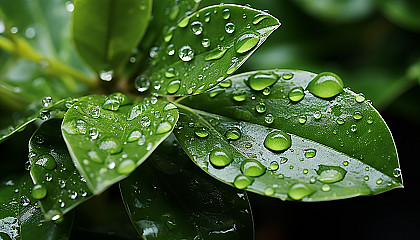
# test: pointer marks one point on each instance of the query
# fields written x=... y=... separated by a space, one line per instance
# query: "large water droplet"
x=46 y=161
x=258 y=18
x=252 y=168
x=296 y=94
x=330 y=174
x=246 y=42
x=201 y=132
x=261 y=108
x=134 y=136
x=39 y=192
x=226 y=14
x=141 y=84
x=126 y=167
x=233 y=134
x=326 y=85
x=299 y=190
x=197 y=27
x=260 y=81
x=186 y=53
x=164 y=127
x=242 y=181
x=173 y=87
x=277 y=141
x=310 y=153
x=220 y=157
x=111 y=145
x=230 y=27
x=111 y=104
x=215 y=54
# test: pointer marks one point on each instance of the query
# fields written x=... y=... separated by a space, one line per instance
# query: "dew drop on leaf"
x=134 y=136
x=215 y=54
x=46 y=161
x=226 y=14
x=111 y=104
x=326 y=85
x=325 y=188
x=330 y=174
x=302 y=119
x=163 y=127
x=258 y=18
x=220 y=157
x=277 y=141
x=186 y=53
x=242 y=181
x=141 y=84
x=269 y=191
x=201 y=132
x=260 y=108
x=106 y=75
x=357 y=115
x=274 y=166
x=360 y=98
x=269 y=118
x=296 y=94
x=126 y=167
x=287 y=76
x=197 y=27
x=261 y=81
x=233 y=134
x=111 y=145
x=39 y=192
x=230 y=27
x=246 y=42
x=239 y=97
x=252 y=168
x=226 y=83
x=310 y=153
x=205 y=42
x=299 y=190
x=173 y=87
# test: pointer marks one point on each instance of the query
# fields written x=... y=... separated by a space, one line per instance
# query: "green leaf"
x=107 y=31
x=53 y=171
x=330 y=148
x=32 y=113
x=206 y=47
x=403 y=12
x=22 y=218
x=108 y=137
x=169 y=197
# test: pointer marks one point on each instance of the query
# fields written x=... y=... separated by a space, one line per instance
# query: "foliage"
x=145 y=96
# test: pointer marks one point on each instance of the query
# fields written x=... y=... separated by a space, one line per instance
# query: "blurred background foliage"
x=372 y=44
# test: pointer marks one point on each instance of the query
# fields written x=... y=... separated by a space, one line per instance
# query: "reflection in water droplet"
x=197 y=27
x=261 y=81
x=106 y=75
x=242 y=181
x=164 y=127
x=326 y=85
x=252 y=168
x=246 y=42
x=230 y=27
x=186 y=53
x=310 y=153
x=277 y=141
x=110 y=144
x=287 y=76
x=201 y=132
x=173 y=87
x=126 y=167
x=330 y=174
x=205 y=42
x=299 y=190
x=296 y=94
x=226 y=14
x=170 y=73
x=220 y=157
x=233 y=134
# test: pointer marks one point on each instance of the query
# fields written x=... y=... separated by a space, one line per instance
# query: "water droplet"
x=93 y=133
x=299 y=190
x=44 y=115
x=111 y=145
x=95 y=157
x=330 y=174
x=370 y=120
x=24 y=200
x=269 y=191
x=326 y=85
x=360 y=98
x=207 y=17
x=252 y=168
x=239 y=97
x=258 y=18
x=379 y=181
x=46 y=161
x=169 y=34
x=310 y=153
x=164 y=127
x=134 y=136
x=296 y=94
x=266 y=91
x=325 y=188
x=126 y=167
x=39 y=192
x=106 y=75
x=242 y=181
x=277 y=141
x=357 y=115
x=317 y=115
x=205 y=42
x=197 y=27
x=340 y=121
x=46 y=101
x=302 y=119
x=226 y=14
x=269 y=118
x=111 y=104
x=184 y=22
x=95 y=112
x=170 y=49
x=261 y=81
x=345 y=163
x=366 y=178
x=230 y=27
x=233 y=134
x=246 y=42
x=283 y=160
x=231 y=69
x=226 y=83
x=145 y=121
x=54 y=215
x=142 y=84
x=186 y=53
x=305 y=171
x=215 y=54
x=287 y=76
x=220 y=157
x=396 y=172
x=353 y=128
x=173 y=87
x=170 y=73
x=260 y=108
x=274 y=166
x=201 y=132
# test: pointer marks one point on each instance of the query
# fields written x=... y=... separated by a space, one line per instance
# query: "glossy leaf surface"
x=50 y=110
x=108 y=137
x=342 y=136
x=170 y=198
x=107 y=31
x=22 y=218
x=53 y=169
x=206 y=47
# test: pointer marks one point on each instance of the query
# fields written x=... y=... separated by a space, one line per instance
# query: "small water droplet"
x=261 y=81
x=134 y=136
x=197 y=27
x=220 y=157
x=252 y=168
x=340 y=121
x=230 y=27
x=317 y=115
x=46 y=161
x=239 y=97
x=111 y=104
x=169 y=34
x=44 y=115
x=379 y=181
x=298 y=191
x=233 y=133
x=46 y=101
x=296 y=94
x=258 y=18
x=370 y=120
x=353 y=128
x=215 y=54
x=93 y=133
x=24 y=201
x=170 y=73
x=126 y=167
x=266 y=91
x=186 y=53
x=39 y=192
x=246 y=42
x=366 y=178
x=110 y=144
x=310 y=153
x=226 y=83
x=269 y=118
x=357 y=115
x=106 y=75
x=287 y=76
x=277 y=141
x=345 y=163
x=330 y=174
x=396 y=172
x=360 y=98
x=164 y=127
x=205 y=42
x=207 y=17
x=326 y=85
x=173 y=87
x=269 y=191
x=325 y=188
x=302 y=119
x=184 y=22
x=274 y=166
x=226 y=14
x=242 y=181
x=201 y=132
x=260 y=108
x=170 y=49
x=142 y=84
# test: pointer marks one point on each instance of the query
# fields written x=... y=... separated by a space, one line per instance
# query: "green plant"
x=282 y=133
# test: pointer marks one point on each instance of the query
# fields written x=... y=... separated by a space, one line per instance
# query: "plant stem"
x=21 y=48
